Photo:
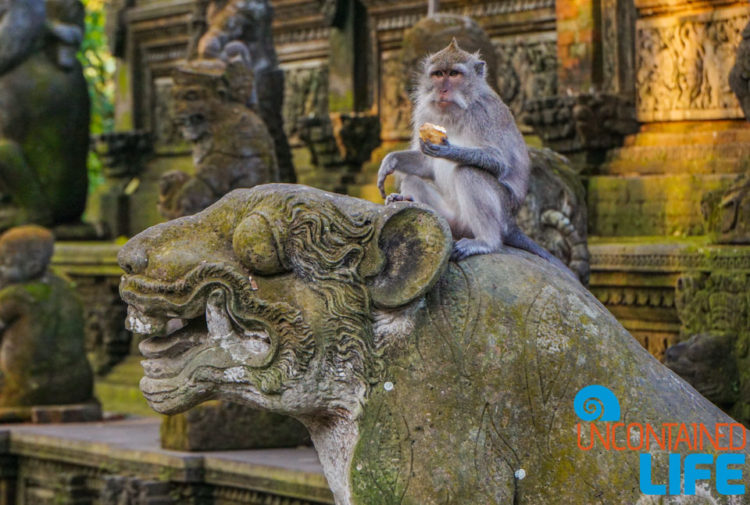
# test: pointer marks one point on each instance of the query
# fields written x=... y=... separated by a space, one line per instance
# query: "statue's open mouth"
x=210 y=327
x=169 y=342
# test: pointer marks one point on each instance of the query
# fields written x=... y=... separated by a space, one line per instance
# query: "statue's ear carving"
x=416 y=244
x=256 y=246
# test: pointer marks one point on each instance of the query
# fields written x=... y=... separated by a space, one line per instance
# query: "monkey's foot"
x=398 y=197
x=469 y=247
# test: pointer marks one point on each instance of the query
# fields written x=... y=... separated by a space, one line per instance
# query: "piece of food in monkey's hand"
x=432 y=133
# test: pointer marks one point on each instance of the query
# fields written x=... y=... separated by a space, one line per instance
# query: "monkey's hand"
x=387 y=167
x=409 y=162
x=444 y=150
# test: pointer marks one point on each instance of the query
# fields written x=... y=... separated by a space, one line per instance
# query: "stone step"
x=669 y=138
x=666 y=205
x=665 y=159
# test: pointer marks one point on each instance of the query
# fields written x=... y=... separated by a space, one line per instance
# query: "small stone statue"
x=44 y=122
x=249 y=22
x=421 y=381
x=42 y=356
x=231 y=144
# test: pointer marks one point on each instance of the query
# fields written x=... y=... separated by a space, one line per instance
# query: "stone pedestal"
x=222 y=426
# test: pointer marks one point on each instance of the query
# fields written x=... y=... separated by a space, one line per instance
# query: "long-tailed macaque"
x=477 y=177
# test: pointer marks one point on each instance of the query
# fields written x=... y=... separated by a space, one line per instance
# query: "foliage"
x=98 y=68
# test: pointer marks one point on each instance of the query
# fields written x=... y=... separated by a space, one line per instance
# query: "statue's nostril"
x=133 y=261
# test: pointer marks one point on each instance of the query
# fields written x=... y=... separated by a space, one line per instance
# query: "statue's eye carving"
x=255 y=246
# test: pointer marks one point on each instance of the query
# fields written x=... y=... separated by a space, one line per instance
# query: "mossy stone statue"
x=422 y=382
x=44 y=114
x=42 y=356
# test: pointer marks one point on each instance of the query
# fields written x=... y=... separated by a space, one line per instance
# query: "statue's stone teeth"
x=141 y=324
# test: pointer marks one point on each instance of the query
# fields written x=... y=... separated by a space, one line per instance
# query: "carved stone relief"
x=682 y=64
x=526 y=69
x=305 y=95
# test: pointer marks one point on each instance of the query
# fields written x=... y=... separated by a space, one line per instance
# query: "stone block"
x=216 y=425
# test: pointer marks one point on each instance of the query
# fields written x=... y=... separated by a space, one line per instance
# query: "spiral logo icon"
x=596 y=403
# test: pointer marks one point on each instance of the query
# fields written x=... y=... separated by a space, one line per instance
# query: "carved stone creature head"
x=267 y=295
x=25 y=253
x=204 y=89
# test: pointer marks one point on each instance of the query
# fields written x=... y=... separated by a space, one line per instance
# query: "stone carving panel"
x=682 y=64
x=395 y=105
x=526 y=69
x=305 y=95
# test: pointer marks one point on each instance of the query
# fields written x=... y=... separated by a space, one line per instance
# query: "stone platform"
x=115 y=462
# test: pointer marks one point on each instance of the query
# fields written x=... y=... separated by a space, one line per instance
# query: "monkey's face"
x=449 y=86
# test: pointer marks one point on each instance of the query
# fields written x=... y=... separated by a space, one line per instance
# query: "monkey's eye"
x=454 y=73
x=437 y=73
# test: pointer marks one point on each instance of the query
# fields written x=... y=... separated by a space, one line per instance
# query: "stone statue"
x=44 y=124
x=421 y=381
x=231 y=145
x=712 y=354
x=739 y=76
x=249 y=22
x=554 y=211
x=42 y=356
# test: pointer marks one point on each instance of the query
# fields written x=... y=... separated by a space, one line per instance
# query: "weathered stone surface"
x=77 y=413
x=121 y=463
x=727 y=213
x=418 y=379
x=42 y=356
x=587 y=121
x=45 y=113
x=221 y=426
x=232 y=147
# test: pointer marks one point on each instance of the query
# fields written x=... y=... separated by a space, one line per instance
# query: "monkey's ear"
x=480 y=68
x=413 y=245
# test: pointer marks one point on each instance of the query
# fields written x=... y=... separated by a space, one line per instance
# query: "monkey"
x=478 y=176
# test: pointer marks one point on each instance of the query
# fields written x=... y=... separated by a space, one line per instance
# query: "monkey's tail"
x=518 y=239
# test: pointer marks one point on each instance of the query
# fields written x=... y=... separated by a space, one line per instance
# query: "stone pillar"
x=578 y=41
x=593 y=109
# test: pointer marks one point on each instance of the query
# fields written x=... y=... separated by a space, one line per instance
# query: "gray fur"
x=478 y=179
